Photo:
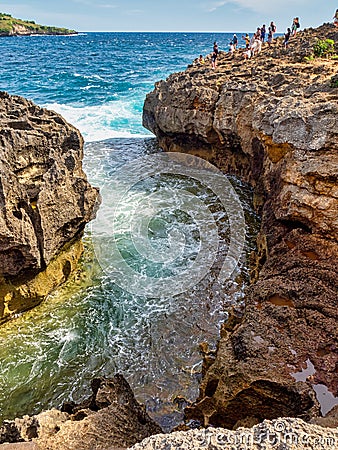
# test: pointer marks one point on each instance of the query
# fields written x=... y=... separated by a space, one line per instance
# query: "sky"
x=171 y=15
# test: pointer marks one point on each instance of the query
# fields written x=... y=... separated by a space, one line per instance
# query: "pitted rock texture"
x=45 y=198
x=272 y=120
x=286 y=434
x=110 y=419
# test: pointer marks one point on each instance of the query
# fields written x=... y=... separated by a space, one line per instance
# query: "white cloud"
x=215 y=5
x=134 y=12
x=107 y=6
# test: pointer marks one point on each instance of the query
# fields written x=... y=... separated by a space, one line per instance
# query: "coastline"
x=10 y=26
x=9 y=34
x=258 y=119
x=308 y=251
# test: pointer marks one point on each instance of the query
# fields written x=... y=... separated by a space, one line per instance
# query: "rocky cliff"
x=9 y=26
x=45 y=202
x=272 y=120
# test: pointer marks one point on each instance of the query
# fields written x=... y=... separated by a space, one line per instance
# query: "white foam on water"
x=114 y=119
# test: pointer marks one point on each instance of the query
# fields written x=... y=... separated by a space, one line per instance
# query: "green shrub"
x=309 y=58
x=323 y=48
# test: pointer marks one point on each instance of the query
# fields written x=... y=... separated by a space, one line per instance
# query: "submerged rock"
x=45 y=202
x=273 y=120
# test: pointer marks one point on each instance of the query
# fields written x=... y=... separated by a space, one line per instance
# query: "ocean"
x=98 y=81
x=98 y=325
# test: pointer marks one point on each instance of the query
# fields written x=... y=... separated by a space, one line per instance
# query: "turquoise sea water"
x=98 y=325
x=98 y=81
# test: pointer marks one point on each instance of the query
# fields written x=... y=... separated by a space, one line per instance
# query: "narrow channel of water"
x=98 y=326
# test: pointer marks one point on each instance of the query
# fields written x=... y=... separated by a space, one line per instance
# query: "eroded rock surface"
x=286 y=434
x=272 y=120
x=45 y=200
x=110 y=419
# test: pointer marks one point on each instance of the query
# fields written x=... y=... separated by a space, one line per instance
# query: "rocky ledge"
x=110 y=418
x=45 y=202
x=286 y=434
x=273 y=121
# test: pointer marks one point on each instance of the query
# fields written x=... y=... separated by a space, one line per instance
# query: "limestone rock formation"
x=110 y=418
x=272 y=120
x=286 y=434
x=45 y=202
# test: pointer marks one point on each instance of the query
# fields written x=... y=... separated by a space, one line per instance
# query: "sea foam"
x=114 y=119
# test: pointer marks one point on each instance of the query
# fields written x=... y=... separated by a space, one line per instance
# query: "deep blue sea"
x=98 y=81
x=98 y=324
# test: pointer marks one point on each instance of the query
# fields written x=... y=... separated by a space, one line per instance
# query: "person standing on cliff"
x=263 y=33
x=273 y=28
x=335 y=18
x=231 y=48
x=295 y=26
x=258 y=34
x=269 y=41
x=235 y=41
x=247 y=40
x=214 y=56
x=286 y=37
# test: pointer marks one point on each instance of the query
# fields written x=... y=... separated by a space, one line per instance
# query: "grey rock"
x=110 y=418
x=284 y=434
x=45 y=198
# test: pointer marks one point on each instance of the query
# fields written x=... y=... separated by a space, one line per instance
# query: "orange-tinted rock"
x=272 y=120
x=45 y=201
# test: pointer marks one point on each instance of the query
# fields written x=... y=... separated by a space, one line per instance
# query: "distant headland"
x=9 y=26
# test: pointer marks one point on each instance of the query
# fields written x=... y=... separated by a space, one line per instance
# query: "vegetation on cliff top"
x=9 y=26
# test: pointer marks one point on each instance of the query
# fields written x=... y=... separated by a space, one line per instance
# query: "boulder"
x=110 y=418
x=45 y=202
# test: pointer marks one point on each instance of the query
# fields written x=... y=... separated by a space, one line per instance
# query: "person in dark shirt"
x=263 y=33
x=214 y=56
x=273 y=28
x=295 y=26
x=258 y=33
x=235 y=41
x=287 y=37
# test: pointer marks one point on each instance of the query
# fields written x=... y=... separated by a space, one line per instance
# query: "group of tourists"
x=291 y=31
x=254 y=44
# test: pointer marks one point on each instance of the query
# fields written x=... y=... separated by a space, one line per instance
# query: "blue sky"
x=171 y=15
